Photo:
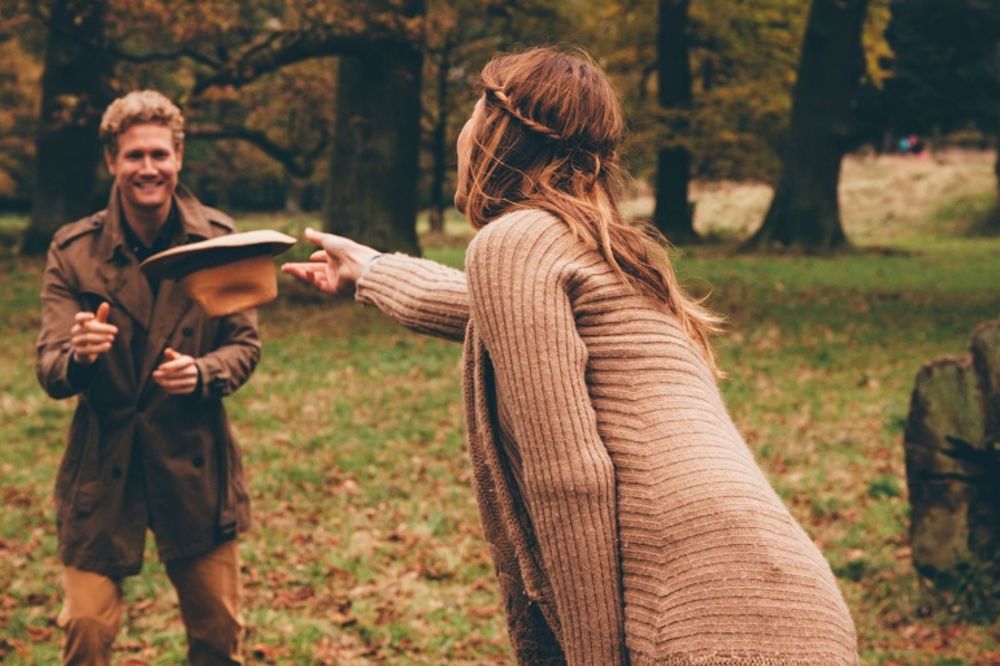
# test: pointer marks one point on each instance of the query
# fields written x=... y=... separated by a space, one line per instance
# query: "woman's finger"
x=299 y=271
x=314 y=237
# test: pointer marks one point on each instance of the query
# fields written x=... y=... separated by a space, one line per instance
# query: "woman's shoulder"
x=521 y=234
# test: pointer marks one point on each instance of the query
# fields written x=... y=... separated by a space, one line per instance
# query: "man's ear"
x=109 y=160
x=180 y=157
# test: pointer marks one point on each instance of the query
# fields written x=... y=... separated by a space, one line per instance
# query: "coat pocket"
x=85 y=498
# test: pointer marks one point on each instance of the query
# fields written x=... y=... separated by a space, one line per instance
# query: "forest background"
x=772 y=141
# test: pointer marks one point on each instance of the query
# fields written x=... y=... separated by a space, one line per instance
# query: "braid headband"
x=503 y=101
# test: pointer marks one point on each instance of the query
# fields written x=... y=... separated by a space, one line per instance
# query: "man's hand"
x=91 y=335
x=336 y=267
x=178 y=375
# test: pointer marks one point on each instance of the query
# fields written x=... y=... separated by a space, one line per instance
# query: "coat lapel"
x=126 y=286
x=172 y=301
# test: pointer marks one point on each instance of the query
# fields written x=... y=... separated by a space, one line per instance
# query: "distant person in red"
x=150 y=446
x=912 y=145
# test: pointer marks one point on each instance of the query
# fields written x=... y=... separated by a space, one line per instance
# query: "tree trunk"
x=991 y=225
x=372 y=190
x=804 y=212
x=74 y=94
x=996 y=173
x=439 y=145
x=673 y=214
x=295 y=189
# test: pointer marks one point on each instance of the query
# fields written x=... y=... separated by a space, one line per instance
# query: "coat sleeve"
x=236 y=353
x=519 y=272
x=56 y=371
x=420 y=294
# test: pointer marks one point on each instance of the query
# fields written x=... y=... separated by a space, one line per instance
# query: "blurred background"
x=826 y=172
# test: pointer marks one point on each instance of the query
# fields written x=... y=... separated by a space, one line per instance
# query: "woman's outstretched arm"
x=420 y=294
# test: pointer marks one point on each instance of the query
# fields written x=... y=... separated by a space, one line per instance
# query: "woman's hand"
x=335 y=268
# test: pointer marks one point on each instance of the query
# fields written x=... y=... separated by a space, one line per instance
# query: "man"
x=149 y=445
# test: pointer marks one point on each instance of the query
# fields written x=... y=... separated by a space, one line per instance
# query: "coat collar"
x=194 y=223
x=126 y=284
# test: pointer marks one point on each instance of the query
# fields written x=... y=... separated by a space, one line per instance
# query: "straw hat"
x=225 y=274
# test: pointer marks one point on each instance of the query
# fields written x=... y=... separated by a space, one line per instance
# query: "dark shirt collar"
x=165 y=239
x=192 y=224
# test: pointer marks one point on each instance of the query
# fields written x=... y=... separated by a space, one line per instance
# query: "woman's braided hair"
x=548 y=138
x=503 y=101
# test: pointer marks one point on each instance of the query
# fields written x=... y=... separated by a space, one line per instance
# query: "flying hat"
x=225 y=274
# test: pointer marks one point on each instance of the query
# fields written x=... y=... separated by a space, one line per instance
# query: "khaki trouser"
x=209 y=591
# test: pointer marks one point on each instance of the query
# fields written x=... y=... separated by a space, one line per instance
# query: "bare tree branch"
x=282 y=48
x=298 y=163
x=155 y=56
x=8 y=26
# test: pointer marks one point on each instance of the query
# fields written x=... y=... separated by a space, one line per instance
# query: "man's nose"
x=147 y=166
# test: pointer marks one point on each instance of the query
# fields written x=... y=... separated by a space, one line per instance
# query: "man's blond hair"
x=140 y=106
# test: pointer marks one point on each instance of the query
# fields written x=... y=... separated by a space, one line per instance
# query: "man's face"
x=146 y=166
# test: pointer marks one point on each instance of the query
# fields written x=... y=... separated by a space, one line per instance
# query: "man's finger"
x=90 y=352
x=93 y=327
x=103 y=310
x=91 y=346
x=176 y=382
x=173 y=366
x=91 y=337
x=81 y=317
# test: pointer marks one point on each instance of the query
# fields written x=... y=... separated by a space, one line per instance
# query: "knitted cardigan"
x=627 y=519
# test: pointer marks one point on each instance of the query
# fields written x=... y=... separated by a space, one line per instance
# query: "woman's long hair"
x=548 y=138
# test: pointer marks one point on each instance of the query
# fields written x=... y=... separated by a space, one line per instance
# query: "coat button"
x=187 y=331
x=199 y=461
x=116 y=472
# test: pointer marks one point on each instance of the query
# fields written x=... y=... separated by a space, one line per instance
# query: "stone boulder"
x=952 y=445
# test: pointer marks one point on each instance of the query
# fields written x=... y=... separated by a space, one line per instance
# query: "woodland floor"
x=367 y=546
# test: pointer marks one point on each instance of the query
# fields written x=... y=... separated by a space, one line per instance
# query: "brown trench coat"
x=138 y=457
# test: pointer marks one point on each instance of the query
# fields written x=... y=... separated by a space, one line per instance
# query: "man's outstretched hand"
x=336 y=267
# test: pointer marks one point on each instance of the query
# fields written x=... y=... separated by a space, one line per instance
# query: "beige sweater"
x=628 y=520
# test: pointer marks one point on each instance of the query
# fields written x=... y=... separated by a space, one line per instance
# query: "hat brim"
x=179 y=262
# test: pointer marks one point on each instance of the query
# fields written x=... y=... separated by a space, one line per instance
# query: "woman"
x=626 y=517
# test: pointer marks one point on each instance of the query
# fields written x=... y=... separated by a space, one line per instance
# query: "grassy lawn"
x=367 y=546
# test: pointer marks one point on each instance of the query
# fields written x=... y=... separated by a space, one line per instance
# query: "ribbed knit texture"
x=626 y=516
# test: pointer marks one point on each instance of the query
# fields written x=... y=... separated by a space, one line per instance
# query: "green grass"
x=367 y=546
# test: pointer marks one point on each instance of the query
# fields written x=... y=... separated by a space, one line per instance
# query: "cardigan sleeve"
x=418 y=293
x=519 y=269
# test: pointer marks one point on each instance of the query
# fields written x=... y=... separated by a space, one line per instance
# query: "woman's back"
x=714 y=569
